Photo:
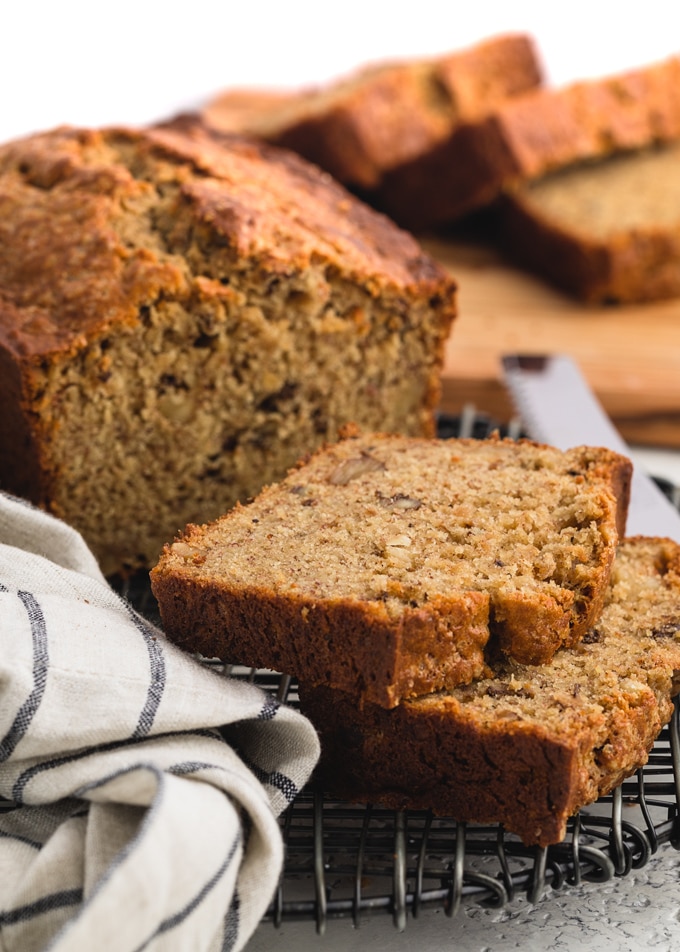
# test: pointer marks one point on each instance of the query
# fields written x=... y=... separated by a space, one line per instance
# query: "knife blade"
x=558 y=407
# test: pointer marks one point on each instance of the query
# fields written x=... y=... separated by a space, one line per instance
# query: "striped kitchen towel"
x=144 y=787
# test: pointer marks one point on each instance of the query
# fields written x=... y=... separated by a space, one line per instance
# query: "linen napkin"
x=144 y=786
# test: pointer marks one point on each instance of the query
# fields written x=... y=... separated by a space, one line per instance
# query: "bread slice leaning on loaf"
x=391 y=566
x=526 y=747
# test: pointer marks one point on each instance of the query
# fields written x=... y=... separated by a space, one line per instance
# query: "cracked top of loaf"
x=95 y=223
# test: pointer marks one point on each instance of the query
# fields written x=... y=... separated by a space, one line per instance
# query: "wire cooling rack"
x=344 y=860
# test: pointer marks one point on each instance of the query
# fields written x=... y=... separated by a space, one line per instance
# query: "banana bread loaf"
x=529 y=135
x=385 y=114
x=525 y=747
x=392 y=566
x=606 y=232
x=183 y=314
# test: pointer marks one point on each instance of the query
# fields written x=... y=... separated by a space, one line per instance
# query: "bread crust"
x=336 y=641
x=431 y=754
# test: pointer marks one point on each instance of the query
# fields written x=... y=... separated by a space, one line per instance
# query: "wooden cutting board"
x=629 y=354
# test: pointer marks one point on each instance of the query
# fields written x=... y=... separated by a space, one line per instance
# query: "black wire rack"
x=346 y=860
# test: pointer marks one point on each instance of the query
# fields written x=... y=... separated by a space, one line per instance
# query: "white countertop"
x=640 y=911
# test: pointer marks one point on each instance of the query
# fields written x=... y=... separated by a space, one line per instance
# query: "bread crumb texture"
x=606 y=231
x=418 y=559
x=599 y=200
x=183 y=314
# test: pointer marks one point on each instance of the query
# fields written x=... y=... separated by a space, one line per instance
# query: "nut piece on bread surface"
x=384 y=114
x=183 y=314
x=527 y=746
x=605 y=232
x=390 y=566
x=530 y=135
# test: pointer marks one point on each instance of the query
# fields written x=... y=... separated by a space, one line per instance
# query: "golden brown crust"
x=172 y=306
x=243 y=109
x=384 y=115
x=526 y=747
x=262 y=203
x=349 y=645
x=392 y=567
x=429 y=754
x=531 y=135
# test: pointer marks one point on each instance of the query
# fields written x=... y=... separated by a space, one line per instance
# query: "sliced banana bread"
x=183 y=315
x=393 y=566
x=527 y=746
x=606 y=232
x=529 y=135
x=386 y=113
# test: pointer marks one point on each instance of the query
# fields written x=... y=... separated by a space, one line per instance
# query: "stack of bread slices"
x=470 y=630
x=581 y=180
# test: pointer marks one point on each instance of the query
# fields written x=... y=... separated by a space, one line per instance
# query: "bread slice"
x=386 y=113
x=525 y=747
x=606 y=232
x=392 y=566
x=530 y=135
x=183 y=315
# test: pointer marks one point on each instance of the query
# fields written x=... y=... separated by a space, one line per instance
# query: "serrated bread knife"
x=558 y=407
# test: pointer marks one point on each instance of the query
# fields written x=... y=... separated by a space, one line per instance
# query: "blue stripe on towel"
x=57 y=900
x=274 y=779
x=40 y=667
x=178 y=918
x=232 y=923
x=158 y=675
x=25 y=778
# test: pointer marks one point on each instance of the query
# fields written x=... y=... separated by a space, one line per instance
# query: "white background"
x=131 y=61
